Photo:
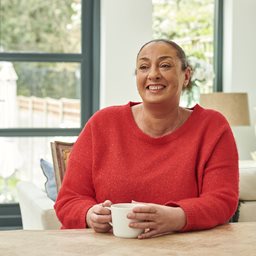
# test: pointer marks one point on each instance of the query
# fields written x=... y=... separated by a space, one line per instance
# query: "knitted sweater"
x=195 y=168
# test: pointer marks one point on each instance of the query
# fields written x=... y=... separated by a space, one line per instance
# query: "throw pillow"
x=50 y=184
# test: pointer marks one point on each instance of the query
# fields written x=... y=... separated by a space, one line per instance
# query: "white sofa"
x=36 y=208
x=38 y=213
x=247 y=193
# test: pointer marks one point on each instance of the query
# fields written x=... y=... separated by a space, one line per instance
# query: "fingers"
x=157 y=219
x=150 y=217
x=143 y=213
x=146 y=225
x=142 y=216
x=145 y=217
x=151 y=228
x=99 y=209
x=148 y=234
x=99 y=217
x=144 y=209
x=101 y=228
x=106 y=203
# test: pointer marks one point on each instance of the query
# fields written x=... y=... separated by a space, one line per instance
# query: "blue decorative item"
x=50 y=184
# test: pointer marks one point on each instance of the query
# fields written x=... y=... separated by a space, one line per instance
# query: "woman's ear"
x=188 y=74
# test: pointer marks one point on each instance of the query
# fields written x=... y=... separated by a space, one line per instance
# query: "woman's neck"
x=157 y=121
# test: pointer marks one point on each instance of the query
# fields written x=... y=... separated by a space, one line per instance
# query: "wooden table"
x=230 y=239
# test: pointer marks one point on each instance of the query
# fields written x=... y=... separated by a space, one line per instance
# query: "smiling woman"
x=123 y=150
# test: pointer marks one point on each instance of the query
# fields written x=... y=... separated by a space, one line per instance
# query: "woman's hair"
x=180 y=54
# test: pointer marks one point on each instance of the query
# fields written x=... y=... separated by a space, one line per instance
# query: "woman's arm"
x=218 y=196
x=77 y=194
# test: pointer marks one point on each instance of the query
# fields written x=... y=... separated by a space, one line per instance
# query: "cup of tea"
x=120 y=222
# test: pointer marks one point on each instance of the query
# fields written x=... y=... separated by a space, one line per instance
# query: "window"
x=196 y=26
x=49 y=58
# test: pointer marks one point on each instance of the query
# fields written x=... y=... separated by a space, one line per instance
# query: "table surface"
x=230 y=239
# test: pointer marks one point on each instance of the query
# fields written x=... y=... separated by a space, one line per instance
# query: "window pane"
x=20 y=160
x=42 y=95
x=40 y=26
x=190 y=23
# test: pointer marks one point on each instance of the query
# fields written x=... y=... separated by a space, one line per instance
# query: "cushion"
x=50 y=184
x=247 y=211
x=247 y=184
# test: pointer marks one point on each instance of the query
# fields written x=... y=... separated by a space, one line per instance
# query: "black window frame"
x=218 y=45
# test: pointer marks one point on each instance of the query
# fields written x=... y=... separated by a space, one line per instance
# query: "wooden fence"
x=62 y=110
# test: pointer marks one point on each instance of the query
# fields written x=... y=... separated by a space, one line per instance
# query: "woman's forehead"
x=157 y=48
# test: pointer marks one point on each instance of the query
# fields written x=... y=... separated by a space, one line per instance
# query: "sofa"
x=247 y=190
x=36 y=208
x=38 y=213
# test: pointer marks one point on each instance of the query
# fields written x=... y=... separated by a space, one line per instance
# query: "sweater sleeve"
x=218 y=188
x=77 y=195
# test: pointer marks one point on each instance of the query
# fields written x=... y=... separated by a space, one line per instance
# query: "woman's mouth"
x=155 y=88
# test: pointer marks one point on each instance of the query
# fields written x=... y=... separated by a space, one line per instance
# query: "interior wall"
x=125 y=26
x=239 y=64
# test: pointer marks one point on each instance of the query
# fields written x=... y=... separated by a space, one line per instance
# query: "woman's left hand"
x=157 y=219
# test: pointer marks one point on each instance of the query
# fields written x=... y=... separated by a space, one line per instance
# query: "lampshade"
x=234 y=106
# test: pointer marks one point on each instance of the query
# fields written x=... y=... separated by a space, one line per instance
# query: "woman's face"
x=159 y=76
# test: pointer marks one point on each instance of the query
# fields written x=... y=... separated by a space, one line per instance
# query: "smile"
x=155 y=87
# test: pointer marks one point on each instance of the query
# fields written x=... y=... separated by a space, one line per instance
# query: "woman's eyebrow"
x=165 y=57
x=144 y=58
x=160 y=58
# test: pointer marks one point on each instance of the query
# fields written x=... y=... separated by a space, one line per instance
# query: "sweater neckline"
x=163 y=139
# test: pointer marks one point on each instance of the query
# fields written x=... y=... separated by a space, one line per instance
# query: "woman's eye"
x=143 y=67
x=165 y=66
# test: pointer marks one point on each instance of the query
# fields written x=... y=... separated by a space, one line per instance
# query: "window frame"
x=218 y=45
x=89 y=59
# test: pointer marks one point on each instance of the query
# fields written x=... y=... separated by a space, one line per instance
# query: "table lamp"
x=234 y=106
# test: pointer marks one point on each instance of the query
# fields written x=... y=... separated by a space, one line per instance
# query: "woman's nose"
x=154 y=74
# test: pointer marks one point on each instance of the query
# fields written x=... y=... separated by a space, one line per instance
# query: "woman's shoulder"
x=209 y=115
x=110 y=112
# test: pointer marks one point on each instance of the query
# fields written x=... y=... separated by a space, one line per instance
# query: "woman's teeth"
x=155 y=87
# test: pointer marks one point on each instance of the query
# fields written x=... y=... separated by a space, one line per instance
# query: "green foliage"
x=183 y=19
x=55 y=80
x=43 y=26
x=39 y=26
x=8 y=189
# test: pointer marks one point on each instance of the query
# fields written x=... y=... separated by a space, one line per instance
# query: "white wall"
x=239 y=63
x=125 y=26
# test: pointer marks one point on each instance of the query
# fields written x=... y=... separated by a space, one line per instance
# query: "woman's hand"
x=157 y=219
x=98 y=217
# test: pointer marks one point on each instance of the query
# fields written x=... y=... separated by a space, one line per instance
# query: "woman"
x=182 y=163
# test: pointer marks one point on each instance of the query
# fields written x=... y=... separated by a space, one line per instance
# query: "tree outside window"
x=190 y=23
x=42 y=88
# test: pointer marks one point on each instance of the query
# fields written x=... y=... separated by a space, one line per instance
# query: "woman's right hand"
x=98 y=217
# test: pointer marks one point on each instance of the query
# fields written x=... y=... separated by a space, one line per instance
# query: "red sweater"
x=195 y=168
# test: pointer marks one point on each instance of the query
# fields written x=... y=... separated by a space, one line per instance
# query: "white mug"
x=120 y=222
